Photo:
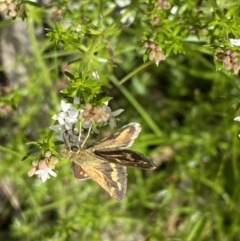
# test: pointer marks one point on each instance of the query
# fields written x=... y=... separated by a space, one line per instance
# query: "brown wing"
x=127 y=158
x=78 y=172
x=122 y=138
x=110 y=176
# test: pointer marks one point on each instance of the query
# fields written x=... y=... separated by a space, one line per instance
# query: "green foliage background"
x=186 y=109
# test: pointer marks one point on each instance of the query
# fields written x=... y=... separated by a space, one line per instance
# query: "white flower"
x=122 y=3
x=44 y=168
x=66 y=118
x=95 y=75
x=44 y=174
x=235 y=42
x=237 y=118
x=59 y=131
x=65 y=106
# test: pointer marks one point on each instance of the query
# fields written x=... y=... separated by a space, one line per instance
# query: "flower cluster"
x=12 y=7
x=4 y=109
x=155 y=19
x=58 y=11
x=229 y=59
x=159 y=5
x=162 y=4
x=102 y=115
x=67 y=119
x=87 y=117
x=44 y=167
x=192 y=29
x=155 y=52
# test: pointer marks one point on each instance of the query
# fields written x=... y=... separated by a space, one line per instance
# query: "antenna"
x=89 y=131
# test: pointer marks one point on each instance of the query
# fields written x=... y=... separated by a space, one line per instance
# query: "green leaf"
x=213 y=23
x=232 y=10
x=69 y=75
x=30 y=153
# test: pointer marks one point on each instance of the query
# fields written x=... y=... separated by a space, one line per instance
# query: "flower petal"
x=56 y=128
x=117 y=112
x=51 y=172
x=65 y=106
x=112 y=123
x=55 y=117
x=237 y=118
x=60 y=137
x=42 y=174
x=76 y=100
x=32 y=171
x=73 y=113
x=70 y=120
x=45 y=176
x=68 y=126
x=235 y=42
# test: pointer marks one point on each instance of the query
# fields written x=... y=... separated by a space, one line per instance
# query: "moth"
x=106 y=161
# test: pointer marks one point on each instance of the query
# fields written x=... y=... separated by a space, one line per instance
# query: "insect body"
x=105 y=161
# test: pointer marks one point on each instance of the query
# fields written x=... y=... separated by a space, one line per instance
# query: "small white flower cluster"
x=230 y=61
x=102 y=115
x=67 y=118
x=11 y=7
x=155 y=51
x=162 y=4
x=70 y=116
x=44 y=168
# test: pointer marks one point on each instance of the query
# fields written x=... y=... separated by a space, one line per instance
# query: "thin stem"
x=80 y=132
x=89 y=130
x=134 y=72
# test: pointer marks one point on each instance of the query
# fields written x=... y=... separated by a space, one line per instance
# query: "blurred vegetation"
x=186 y=105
